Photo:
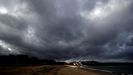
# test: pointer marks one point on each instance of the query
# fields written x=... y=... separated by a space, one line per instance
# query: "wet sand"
x=50 y=70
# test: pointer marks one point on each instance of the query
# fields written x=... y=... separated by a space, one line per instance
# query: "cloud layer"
x=65 y=29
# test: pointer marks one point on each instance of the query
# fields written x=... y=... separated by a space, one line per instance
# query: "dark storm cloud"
x=65 y=29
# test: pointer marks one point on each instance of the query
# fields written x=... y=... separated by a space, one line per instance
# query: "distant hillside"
x=25 y=60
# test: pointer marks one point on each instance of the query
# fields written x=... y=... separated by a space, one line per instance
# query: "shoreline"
x=87 y=68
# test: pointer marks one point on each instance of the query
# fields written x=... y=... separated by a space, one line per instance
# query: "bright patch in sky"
x=97 y=12
x=30 y=33
x=3 y=10
x=102 y=11
x=10 y=49
x=30 y=36
x=5 y=46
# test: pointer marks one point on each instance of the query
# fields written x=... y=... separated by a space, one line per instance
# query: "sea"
x=116 y=70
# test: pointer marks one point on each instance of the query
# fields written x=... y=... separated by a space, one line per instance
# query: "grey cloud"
x=65 y=29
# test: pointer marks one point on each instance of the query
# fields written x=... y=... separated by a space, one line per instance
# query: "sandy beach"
x=50 y=70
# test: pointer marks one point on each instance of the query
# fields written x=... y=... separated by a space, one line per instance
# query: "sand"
x=50 y=70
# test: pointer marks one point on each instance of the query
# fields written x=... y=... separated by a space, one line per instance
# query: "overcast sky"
x=67 y=29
